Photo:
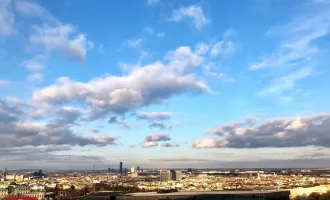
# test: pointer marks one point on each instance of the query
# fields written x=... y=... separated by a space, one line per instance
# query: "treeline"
x=314 y=196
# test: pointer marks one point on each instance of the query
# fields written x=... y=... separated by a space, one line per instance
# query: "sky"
x=164 y=84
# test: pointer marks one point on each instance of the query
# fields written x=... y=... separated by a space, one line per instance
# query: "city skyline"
x=164 y=84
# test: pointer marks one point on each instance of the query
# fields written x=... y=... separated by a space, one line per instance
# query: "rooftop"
x=204 y=193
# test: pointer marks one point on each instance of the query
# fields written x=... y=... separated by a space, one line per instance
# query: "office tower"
x=173 y=175
x=132 y=170
x=5 y=172
x=109 y=170
x=165 y=176
x=178 y=176
x=138 y=168
x=121 y=167
x=40 y=172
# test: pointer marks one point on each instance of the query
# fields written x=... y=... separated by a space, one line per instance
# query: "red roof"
x=20 y=198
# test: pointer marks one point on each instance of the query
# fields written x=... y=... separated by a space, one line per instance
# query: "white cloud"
x=297 y=131
x=183 y=59
x=194 y=13
x=149 y=144
x=202 y=48
x=62 y=39
x=34 y=64
x=15 y=131
x=286 y=82
x=29 y=8
x=298 y=48
x=36 y=77
x=152 y=140
x=208 y=71
x=151 y=84
x=223 y=48
x=210 y=143
x=7 y=19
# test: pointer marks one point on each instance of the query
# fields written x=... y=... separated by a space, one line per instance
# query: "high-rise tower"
x=121 y=167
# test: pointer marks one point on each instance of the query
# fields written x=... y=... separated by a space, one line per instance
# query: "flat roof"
x=203 y=193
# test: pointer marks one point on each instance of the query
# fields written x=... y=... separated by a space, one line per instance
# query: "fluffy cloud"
x=29 y=8
x=151 y=116
x=183 y=59
x=157 y=125
x=66 y=116
x=282 y=132
x=53 y=36
x=194 y=13
x=15 y=131
x=61 y=38
x=152 y=140
x=151 y=84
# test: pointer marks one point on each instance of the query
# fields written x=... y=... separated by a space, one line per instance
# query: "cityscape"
x=139 y=183
x=164 y=100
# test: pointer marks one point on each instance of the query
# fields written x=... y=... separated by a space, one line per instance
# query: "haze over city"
x=164 y=84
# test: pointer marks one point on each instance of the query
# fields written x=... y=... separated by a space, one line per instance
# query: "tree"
x=325 y=196
x=314 y=196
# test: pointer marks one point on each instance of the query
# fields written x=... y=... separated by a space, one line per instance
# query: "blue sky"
x=163 y=84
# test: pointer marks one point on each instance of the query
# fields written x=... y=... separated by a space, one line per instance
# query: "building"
x=38 y=173
x=138 y=168
x=178 y=176
x=3 y=192
x=121 y=167
x=22 y=191
x=132 y=170
x=11 y=177
x=5 y=173
x=165 y=176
